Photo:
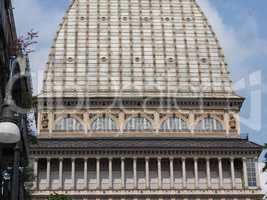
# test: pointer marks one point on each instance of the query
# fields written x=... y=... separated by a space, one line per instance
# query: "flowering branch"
x=26 y=41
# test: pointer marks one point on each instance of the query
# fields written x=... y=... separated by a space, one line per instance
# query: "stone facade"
x=137 y=104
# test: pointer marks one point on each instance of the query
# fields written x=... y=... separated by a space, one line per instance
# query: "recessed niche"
x=204 y=60
x=170 y=60
x=103 y=59
x=146 y=19
x=189 y=19
x=70 y=59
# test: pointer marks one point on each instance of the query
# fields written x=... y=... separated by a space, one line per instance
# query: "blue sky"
x=244 y=23
x=239 y=24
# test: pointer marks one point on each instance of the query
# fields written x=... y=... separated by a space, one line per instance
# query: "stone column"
x=156 y=122
x=257 y=172
x=237 y=117
x=147 y=172
x=245 y=175
x=60 y=173
x=50 y=122
x=220 y=172
x=35 y=173
x=48 y=171
x=191 y=121
x=85 y=173
x=121 y=121
x=73 y=173
x=159 y=173
x=196 y=172
x=184 y=172
x=208 y=172
x=123 y=173
x=171 y=173
x=232 y=172
x=135 y=172
x=110 y=172
x=86 y=121
x=98 y=173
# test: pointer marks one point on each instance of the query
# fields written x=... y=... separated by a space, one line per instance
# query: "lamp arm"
x=8 y=97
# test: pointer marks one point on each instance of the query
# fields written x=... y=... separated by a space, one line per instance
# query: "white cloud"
x=240 y=42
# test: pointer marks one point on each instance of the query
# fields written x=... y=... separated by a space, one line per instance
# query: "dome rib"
x=136 y=48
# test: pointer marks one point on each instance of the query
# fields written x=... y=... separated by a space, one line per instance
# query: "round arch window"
x=69 y=124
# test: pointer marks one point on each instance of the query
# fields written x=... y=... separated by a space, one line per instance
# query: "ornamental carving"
x=232 y=123
x=44 y=121
x=221 y=117
x=197 y=116
x=92 y=115
x=186 y=116
x=161 y=115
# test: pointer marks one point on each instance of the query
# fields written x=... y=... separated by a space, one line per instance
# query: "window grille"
x=251 y=173
x=138 y=124
x=174 y=124
x=68 y=124
x=103 y=124
x=209 y=124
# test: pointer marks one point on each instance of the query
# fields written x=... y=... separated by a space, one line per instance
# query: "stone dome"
x=136 y=48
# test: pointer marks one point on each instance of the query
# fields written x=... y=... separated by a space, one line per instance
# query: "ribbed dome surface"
x=131 y=48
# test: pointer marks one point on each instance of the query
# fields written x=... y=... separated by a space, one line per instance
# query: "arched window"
x=103 y=124
x=173 y=124
x=138 y=124
x=68 y=124
x=209 y=124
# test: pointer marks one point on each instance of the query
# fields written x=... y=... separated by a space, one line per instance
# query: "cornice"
x=192 y=103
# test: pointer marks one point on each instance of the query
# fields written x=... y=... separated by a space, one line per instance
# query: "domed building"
x=137 y=103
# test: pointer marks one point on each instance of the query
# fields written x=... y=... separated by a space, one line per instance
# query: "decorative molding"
x=44 y=121
x=176 y=153
x=196 y=103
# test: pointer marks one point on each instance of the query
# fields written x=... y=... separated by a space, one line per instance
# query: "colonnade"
x=185 y=163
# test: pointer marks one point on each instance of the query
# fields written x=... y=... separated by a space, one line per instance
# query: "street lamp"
x=9 y=130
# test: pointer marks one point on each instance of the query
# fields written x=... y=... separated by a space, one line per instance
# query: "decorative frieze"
x=220 y=126
x=181 y=103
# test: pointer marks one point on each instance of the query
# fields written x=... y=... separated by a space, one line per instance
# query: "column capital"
x=232 y=158
x=207 y=158
x=195 y=158
x=73 y=159
x=244 y=158
x=110 y=158
x=171 y=158
x=60 y=158
x=183 y=158
x=159 y=158
x=147 y=158
x=48 y=159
